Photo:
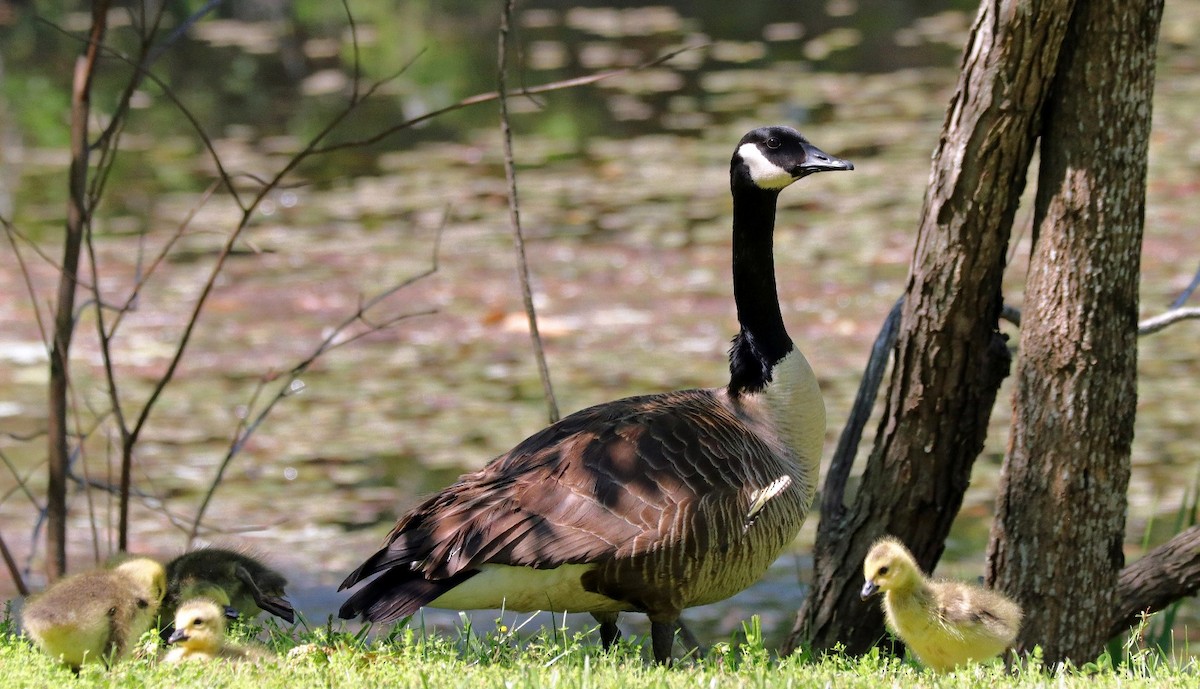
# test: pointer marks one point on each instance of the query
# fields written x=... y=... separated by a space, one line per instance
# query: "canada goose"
x=654 y=503
x=945 y=623
x=96 y=616
x=249 y=586
x=200 y=634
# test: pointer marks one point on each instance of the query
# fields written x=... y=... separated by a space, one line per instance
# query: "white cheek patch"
x=764 y=173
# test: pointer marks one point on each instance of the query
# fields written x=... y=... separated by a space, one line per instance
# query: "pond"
x=625 y=207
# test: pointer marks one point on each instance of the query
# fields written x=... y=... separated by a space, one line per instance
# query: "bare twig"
x=1147 y=326
x=11 y=233
x=488 y=97
x=1011 y=314
x=331 y=341
x=1187 y=292
x=514 y=214
x=1156 y=323
x=149 y=271
x=22 y=482
x=64 y=320
x=357 y=79
x=833 y=496
x=13 y=570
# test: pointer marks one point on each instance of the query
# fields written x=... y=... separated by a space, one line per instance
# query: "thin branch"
x=1148 y=326
x=22 y=482
x=64 y=313
x=1157 y=323
x=1188 y=291
x=331 y=341
x=833 y=496
x=357 y=78
x=514 y=214
x=160 y=258
x=180 y=30
x=11 y=233
x=13 y=570
x=488 y=97
x=1011 y=314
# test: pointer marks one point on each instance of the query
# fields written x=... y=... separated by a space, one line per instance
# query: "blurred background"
x=624 y=202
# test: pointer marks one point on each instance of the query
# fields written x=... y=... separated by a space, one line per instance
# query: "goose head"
x=199 y=625
x=771 y=158
x=889 y=567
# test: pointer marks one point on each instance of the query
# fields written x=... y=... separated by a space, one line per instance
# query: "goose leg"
x=662 y=638
x=689 y=639
x=609 y=631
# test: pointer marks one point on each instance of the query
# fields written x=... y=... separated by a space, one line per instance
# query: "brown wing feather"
x=607 y=482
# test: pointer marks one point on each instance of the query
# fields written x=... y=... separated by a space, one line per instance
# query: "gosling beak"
x=816 y=160
x=869 y=589
x=279 y=607
x=177 y=636
x=231 y=613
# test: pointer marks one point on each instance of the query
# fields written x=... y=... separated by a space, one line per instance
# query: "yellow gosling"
x=246 y=584
x=945 y=623
x=96 y=616
x=200 y=635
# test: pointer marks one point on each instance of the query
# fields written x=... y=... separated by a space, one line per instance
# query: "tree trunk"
x=950 y=357
x=58 y=450
x=1056 y=545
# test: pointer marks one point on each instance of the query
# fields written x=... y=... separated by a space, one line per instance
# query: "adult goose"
x=650 y=504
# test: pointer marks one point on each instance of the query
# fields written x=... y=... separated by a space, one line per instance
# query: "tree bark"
x=1056 y=544
x=950 y=357
x=1169 y=572
x=58 y=451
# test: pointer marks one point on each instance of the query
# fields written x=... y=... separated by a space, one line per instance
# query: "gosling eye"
x=143 y=603
x=883 y=570
x=197 y=622
x=773 y=143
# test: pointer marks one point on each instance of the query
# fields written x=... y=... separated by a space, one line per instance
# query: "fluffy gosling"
x=200 y=635
x=249 y=586
x=96 y=616
x=944 y=623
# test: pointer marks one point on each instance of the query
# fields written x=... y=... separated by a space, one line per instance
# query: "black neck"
x=763 y=340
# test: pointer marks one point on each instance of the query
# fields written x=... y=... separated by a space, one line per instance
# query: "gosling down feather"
x=646 y=504
x=945 y=623
x=246 y=584
x=96 y=616
x=200 y=635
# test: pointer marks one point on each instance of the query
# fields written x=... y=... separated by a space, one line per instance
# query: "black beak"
x=816 y=160
x=277 y=606
x=869 y=589
x=177 y=635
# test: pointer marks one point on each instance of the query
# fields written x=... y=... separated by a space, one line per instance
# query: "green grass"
x=509 y=658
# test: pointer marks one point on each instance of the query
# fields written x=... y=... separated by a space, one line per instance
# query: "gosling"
x=200 y=635
x=97 y=616
x=944 y=623
x=249 y=586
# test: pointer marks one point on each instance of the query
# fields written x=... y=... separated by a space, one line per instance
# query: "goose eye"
x=143 y=603
x=772 y=143
x=883 y=570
